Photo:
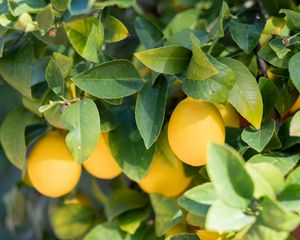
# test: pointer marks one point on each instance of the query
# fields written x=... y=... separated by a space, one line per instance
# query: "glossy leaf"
x=128 y=148
x=228 y=175
x=115 y=30
x=169 y=59
x=245 y=96
x=16 y=70
x=86 y=36
x=167 y=213
x=83 y=121
x=114 y=79
x=294 y=70
x=150 y=110
x=12 y=136
x=55 y=78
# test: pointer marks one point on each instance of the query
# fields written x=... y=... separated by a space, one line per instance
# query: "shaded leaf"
x=294 y=70
x=55 y=78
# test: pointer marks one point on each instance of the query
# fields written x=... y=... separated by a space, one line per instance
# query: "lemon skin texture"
x=101 y=163
x=193 y=125
x=51 y=167
x=164 y=178
x=230 y=116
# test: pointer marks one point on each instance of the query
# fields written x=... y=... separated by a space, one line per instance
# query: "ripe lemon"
x=230 y=116
x=101 y=163
x=296 y=106
x=193 y=125
x=51 y=168
x=164 y=178
x=207 y=235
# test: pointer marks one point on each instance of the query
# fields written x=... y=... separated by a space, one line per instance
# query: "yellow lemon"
x=229 y=114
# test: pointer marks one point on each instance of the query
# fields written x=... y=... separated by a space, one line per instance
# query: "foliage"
x=121 y=66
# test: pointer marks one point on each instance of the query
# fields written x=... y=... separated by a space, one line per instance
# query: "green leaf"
x=16 y=70
x=130 y=221
x=167 y=213
x=222 y=217
x=258 y=231
x=83 y=121
x=269 y=55
x=123 y=200
x=60 y=5
x=246 y=36
x=45 y=19
x=53 y=116
x=263 y=139
x=169 y=59
x=198 y=199
x=228 y=175
x=182 y=20
x=119 y=3
x=115 y=30
x=293 y=18
x=274 y=177
x=217 y=31
x=183 y=236
x=114 y=79
x=276 y=217
x=293 y=177
x=55 y=78
x=18 y=7
x=12 y=135
x=64 y=63
x=295 y=125
x=290 y=197
x=72 y=220
x=77 y=7
x=200 y=67
x=294 y=70
x=195 y=220
x=86 y=36
x=127 y=147
x=283 y=161
x=269 y=93
x=150 y=110
x=147 y=32
x=104 y=231
x=286 y=97
x=214 y=89
x=278 y=47
x=245 y=96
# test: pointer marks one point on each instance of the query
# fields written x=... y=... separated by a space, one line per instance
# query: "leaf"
x=127 y=147
x=276 y=217
x=45 y=19
x=167 y=213
x=278 y=47
x=246 y=36
x=119 y=3
x=222 y=217
x=86 y=36
x=182 y=20
x=295 y=125
x=263 y=139
x=245 y=96
x=18 y=7
x=77 y=7
x=283 y=161
x=12 y=135
x=123 y=200
x=16 y=70
x=131 y=221
x=294 y=70
x=290 y=197
x=83 y=121
x=267 y=53
x=293 y=18
x=114 y=79
x=55 y=78
x=214 y=89
x=150 y=110
x=72 y=220
x=64 y=63
x=104 y=231
x=200 y=67
x=198 y=199
x=169 y=59
x=115 y=30
x=228 y=175
x=147 y=32
x=293 y=177
x=183 y=236
x=258 y=231
x=60 y=5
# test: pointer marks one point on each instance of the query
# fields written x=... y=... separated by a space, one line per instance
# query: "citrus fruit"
x=295 y=106
x=229 y=114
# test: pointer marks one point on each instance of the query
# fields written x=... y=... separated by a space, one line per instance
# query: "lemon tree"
x=150 y=120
